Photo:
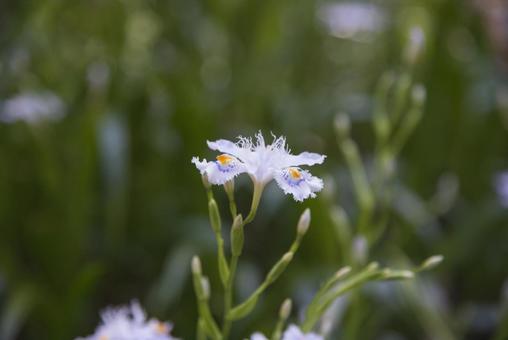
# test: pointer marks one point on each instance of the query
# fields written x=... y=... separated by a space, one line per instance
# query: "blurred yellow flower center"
x=295 y=173
x=224 y=159
x=103 y=337
x=161 y=328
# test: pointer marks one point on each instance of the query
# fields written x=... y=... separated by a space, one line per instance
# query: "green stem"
x=228 y=297
x=319 y=307
x=200 y=332
x=232 y=206
x=228 y=290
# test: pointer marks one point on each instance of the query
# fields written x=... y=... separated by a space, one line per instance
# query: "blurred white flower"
x=501 y=184
x=291 y=333
x=130 y=323
x=32 y=107
x=258 y=336
x=295 y=333
x=263 y=163
x=352 y=20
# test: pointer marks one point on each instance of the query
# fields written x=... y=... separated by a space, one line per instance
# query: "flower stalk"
x=285 y=310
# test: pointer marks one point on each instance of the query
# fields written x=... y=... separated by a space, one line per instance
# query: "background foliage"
x=101 y=204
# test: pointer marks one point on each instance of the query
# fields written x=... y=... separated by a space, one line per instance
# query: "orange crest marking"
x=295 y=173
x=224 y=159
x=162 y=328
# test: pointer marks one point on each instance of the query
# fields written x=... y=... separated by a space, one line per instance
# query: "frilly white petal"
x=130 y=323
x=301 y=190
x=201 y=165
x=228 y=147
x=294 y=333
x=305 y=158
x=213 y=172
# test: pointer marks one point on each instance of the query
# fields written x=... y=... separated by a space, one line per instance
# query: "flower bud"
x=373 y=266
x=304 y=222
x=196 y=265
x=432 y=262
x=360 y=249
x=342 y=272
x=213 y=211
x=342 y=125
x=389 y=274
x=205 y=285
x=279 y=267
x=237 y=236
x=197 y=279
x=285 y=309
x=419 y=94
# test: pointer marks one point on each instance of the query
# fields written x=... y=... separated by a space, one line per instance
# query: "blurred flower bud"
x=342 y=272
x=196 y=265
x=205 y=284
x=285 y=309
x=373 y=266
x=279 y=267
x=342 y=125
x=213 y=211
x=237 y=236
x=432 y=262
x=389 y=274
x=304 y=222
x=419 y=95
x=360 y=250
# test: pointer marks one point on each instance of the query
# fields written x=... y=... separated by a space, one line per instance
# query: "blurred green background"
x=103 y=103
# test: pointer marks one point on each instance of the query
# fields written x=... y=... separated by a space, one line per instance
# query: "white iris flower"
x=130 y=323
x=263 y=162
x=291 y=333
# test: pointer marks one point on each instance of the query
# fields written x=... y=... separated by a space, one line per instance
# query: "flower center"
x=161 y=328
x=294 y=173
x=293 y=176
x=224 y=159
x=226 y=163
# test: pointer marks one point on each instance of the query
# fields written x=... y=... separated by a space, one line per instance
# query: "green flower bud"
x=279 y=267
x=196 y=265
x=213 y=211
x=205 y=285
x=304 y=222
x=342 y=272
x=432 y=262
x=419 y=94
x=237 y=236
x=285 y=309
